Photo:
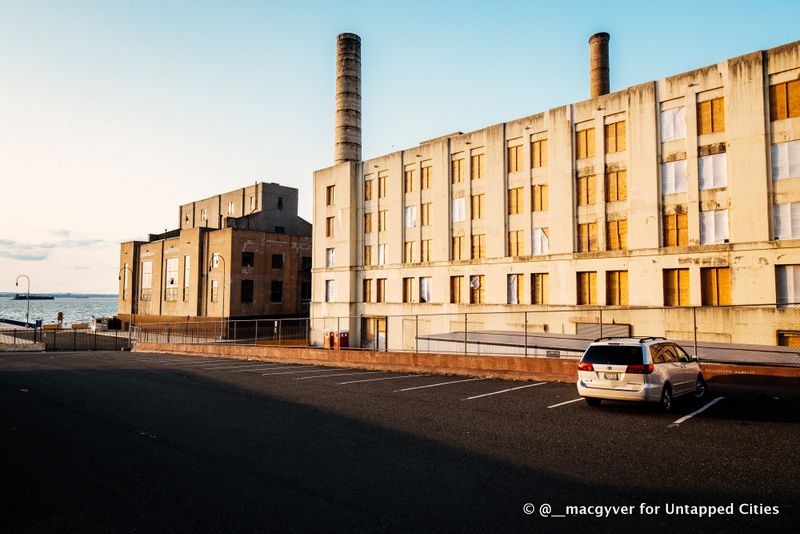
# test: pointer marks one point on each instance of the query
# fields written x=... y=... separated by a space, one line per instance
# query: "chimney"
x=348 y=98
x=598 y=64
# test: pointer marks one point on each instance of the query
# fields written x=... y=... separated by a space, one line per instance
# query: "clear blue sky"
x=113 y=113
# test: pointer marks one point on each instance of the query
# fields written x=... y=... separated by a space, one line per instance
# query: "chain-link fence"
x=64 y=339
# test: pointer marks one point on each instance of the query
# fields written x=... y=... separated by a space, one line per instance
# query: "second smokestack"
x=348 y=98
x=598 y=63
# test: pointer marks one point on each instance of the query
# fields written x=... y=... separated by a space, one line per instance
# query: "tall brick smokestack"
x=598 y=63
x=348 y=98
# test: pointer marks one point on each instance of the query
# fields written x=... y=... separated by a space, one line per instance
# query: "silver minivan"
x=650 y=369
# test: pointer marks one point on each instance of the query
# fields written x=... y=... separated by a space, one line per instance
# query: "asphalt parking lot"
x=118 y=441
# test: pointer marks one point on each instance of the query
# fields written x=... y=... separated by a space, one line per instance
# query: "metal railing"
x=65 y=339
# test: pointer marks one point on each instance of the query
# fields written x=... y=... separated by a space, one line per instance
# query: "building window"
x=382 y=179
x=617 y=235
x=587 y=288
x=784 y=100
x=171 y=279
x=616 y=186
x=540 y=242
x=587 y=237
x=676 y=287
x=786 y=220
x=478 y=246
x=330 y=230
x=147 y=279
x=787 y=284
x=203 y=215
x=514 y=288
x=368 y=223
x=457 y=171
x=540 y=291
x=408 y=181
x=381 y=290
x=515 y=201
x=673 y=177
x=711 y=116
x=713 y=227
x=425 y=177
x=330 y=195
x=458 y=209
x=426 y=214
x=367 y=254
x=586 y=190
x=425 y=289
x=676 y=230
x=715 y=284
x=382 y=254
x=214 y=291
x=615 y=137
x=617 y=288
x=280 y=230
x=367 y=189
x=477 y=208
x=408 y=252
x=187 y=277
x=382 y=220
x=673 y=124
x=713 y=171
x=456 y=282
x=584 y=144
x=329 y=258
x=248 y=259
x=277 y=261
x=252 y=203
x=478 y=166
x=125 y=270
x=305 y=291
x=539 y=153
x=330 y=290
x=247 y=291
x=477 y=289
x=231 y=208
x=366 y=290
x=788 y=339
x=457 y=248
x=410 y=216
x=540 y=200
x=425 y=250
x=785 y=160
x=305 y=264
x=515 y=243
x=408 y=288
x=515 y=158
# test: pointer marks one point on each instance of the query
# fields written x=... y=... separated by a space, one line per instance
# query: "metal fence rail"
x=66 y=339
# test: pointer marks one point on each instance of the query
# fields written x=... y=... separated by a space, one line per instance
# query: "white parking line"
x=295 y=372
x=340 y=374
x=699 y=410
x=230 y=366
x=378 y=379
x=439 y=384
x=566 y=402
x=268 y=367
x=505 y=390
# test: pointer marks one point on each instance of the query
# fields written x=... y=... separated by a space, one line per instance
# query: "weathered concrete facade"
x=697 y=156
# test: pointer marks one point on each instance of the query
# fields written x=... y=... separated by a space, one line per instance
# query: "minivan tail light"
x=584 y=366
x=640 y=369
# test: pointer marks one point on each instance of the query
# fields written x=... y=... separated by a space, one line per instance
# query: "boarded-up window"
x=381 y=292
x=477 y=289
x=426 y=214
x=515 y=243
x=676 y=230
x=786 y=160
x=587 y=237
x=408 y=181
x=330 y=229
x=673 y=177
x=713 y=171
x=457 y=171
x=586 y=190
x=617 y=235
x=382 y=220
x=408 y=252
x=715 y=283
x=367 y=189
x=425 y=250
x=787 y=284
x=784 y=100
x=368 y=222
x=456 y=283
x=457 y=209
x=408 y=289
x=425 y=177
x=617 y=288
x=789 y=339
x=477 y=206
x=330 y=196
x=615 y=137
x=478 y=166
x=540 y=291
x=367 y=254
x=478 y=246
x=713 y=227
x=711 y=116
x=587 y=287
x=540 y=197
x=366 y=290
x=457 y=247
x=539 y=153
x=673 y=124
x=584 y=143
x=515 y=201
x=786 y=218
x=676 y=287
x=515 y=158
x=514 y=289
x=616 y=186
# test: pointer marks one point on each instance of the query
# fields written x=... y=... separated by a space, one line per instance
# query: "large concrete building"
x=679 y=192
x=242 y=254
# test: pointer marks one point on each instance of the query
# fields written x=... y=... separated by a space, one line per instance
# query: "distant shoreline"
x=8 y=294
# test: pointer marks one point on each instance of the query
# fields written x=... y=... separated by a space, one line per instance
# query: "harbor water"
x=75 y=309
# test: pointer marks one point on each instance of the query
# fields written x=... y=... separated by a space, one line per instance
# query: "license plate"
x=611 y=376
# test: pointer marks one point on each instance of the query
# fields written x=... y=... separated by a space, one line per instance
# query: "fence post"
x=601 y=322
x=526 y=334
x=694 y=329
x=167 y=334
x=280 y=327
x=94 y=340
x=416 y=333
x=74 y=339
x=255 y=334
x=465 y=334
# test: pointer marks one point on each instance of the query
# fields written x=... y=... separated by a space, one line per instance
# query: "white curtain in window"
x=410 y=216
x=713 y=171
x=787 y=220
x=673 y=177
x=425 y=289
x=512 y=289
x=330 y=290
x=713 y=227
x=673 y=124
x=329 y=262
x=458 y=209
x=787 y=284
x=381 y=254
x=786 y=160
x=474 y=282
x=540 y=243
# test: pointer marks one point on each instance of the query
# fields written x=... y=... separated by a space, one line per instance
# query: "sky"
x=113 y=113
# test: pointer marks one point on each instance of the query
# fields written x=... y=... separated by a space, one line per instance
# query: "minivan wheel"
x=666 y=398
x=592 y=401
x=700 y=389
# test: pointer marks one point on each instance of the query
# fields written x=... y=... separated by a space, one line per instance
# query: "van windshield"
x=613 y=355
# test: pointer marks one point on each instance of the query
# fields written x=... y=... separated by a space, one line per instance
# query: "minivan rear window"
x=614 y=355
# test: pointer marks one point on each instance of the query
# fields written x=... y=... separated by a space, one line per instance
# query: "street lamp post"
x=210 y=267
x=133 y=297
x=28 y=312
